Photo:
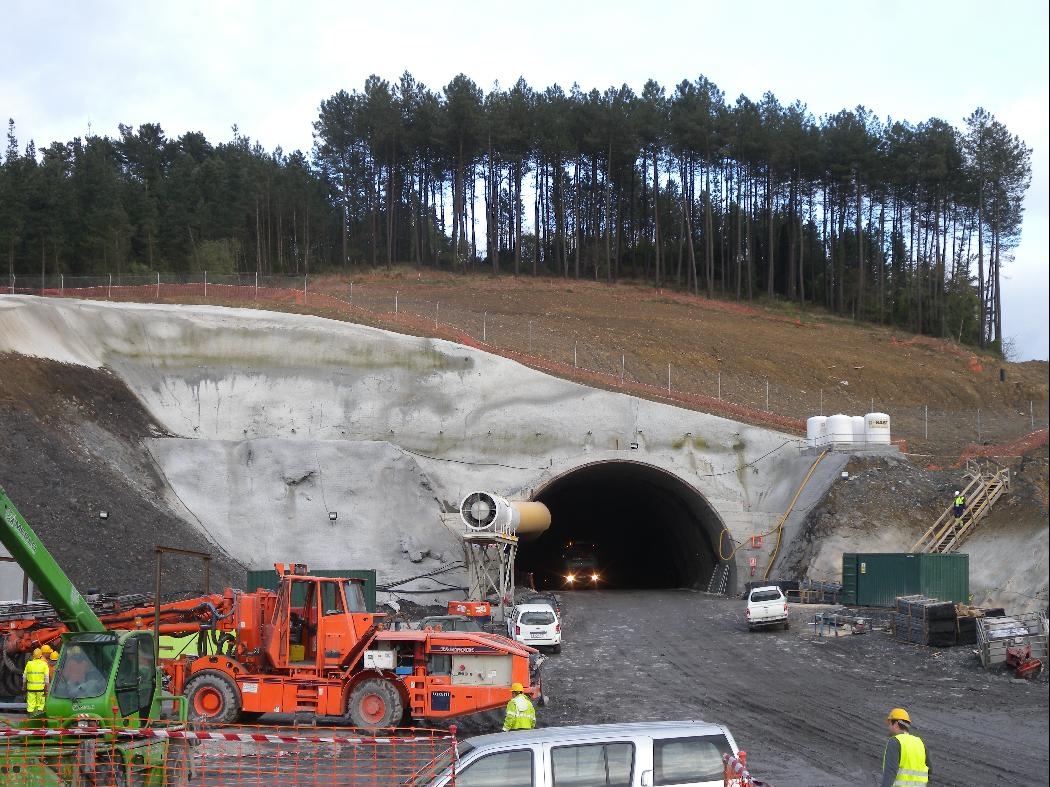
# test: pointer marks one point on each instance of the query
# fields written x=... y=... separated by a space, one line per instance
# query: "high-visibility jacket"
x=912 y=771
x=520 y=714
x=36 y=674
x=960 y=501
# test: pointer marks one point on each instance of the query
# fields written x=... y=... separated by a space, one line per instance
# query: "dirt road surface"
x=808 y=710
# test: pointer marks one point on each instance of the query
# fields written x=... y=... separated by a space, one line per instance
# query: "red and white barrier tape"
x=245 y=737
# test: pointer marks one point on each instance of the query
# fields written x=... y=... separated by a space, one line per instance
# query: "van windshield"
x=439 y=765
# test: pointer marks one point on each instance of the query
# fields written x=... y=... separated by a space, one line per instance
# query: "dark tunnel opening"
x=648 y=529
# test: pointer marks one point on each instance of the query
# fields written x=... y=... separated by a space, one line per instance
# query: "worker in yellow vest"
x=36 y=679
x=905 y=762
x=521 y=715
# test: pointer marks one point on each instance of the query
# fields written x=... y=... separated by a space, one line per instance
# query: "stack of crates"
x=925 y=621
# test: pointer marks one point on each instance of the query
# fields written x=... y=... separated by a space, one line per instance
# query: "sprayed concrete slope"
x=279 y=419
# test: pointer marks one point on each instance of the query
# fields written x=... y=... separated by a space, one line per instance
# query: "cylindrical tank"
x=816 y=430
x=860 y=432
x=877 y=426
x=840 y=428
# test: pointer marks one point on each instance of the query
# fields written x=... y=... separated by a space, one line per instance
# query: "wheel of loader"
x=109 y=771
x=178 y=766
x=375 y=703
x=213 y=697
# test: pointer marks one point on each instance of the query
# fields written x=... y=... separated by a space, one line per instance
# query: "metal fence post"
x=437 y=312
x=484 y=326
x=109 y=290
x=668 y=378
x=720 y=386
x=12 y=284
x=257 y=286
x=623 y=367
x=158 y=285
x=205 y=284
x=61 y=284
x=306 y=280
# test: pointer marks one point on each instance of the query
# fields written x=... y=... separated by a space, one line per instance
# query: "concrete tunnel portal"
x=649 y=528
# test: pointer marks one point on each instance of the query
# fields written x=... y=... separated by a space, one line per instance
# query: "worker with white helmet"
x=36 y=678
x=521 y=715
x=904 y=763
x=958 y=504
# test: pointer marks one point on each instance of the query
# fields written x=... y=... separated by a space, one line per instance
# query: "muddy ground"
x=808 y=710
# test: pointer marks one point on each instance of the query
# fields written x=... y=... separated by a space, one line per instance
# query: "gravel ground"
x=807 y=709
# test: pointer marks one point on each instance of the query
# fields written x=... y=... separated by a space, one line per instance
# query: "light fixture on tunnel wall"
x=103 y=514
x=634 y=446
x=333 y=515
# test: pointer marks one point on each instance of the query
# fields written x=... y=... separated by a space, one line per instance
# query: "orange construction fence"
x=239 y=756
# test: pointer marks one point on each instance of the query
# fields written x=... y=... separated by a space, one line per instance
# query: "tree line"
x=874 y=219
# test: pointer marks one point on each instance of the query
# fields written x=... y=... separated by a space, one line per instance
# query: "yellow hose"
x=780 y=525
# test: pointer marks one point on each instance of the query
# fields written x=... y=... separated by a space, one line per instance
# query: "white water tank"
x=816 y=430
x=860 y=430
x=877 y=426
x=840 y=429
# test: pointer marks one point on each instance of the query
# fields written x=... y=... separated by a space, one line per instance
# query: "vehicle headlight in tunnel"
x=570 y=578
x=595 y=578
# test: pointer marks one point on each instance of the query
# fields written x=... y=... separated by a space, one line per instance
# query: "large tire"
x=213 y=698
x=178 y=764
x=109 y=771
x=375 y=703
x=556 y=648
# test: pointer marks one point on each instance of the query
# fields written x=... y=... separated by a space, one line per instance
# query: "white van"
x=536 y=625
x=639 y=754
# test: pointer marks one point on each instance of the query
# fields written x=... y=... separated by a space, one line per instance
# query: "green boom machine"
x=106 y=694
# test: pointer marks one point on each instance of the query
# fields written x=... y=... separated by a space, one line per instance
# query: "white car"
x=536 y=625
x=766 y=606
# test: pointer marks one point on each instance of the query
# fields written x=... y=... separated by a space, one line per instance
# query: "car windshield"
x=766 y=595
x=451 y=624
x=536 y=618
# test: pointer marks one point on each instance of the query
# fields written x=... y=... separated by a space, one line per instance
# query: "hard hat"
x=956 y=491
x=517 y=687
x=899 y=714
x=37 y=653
x=54 y=655
x=45 y=649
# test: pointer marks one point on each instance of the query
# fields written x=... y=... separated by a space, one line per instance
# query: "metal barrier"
x=239 y=756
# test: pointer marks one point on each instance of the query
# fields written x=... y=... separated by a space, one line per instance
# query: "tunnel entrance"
x=646 y=527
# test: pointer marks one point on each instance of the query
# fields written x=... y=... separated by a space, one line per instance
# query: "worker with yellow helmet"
x=521 y=715
x=36 y=679
x=905 y=762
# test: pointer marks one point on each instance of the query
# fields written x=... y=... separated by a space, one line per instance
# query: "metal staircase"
x=981 y=492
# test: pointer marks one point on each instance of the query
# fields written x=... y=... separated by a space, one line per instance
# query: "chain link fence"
x=930 y=429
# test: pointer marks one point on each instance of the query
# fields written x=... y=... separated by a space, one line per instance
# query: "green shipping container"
x=267 y=578
x=875 y=579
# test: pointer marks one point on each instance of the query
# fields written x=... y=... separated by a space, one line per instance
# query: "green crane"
x=105 y=681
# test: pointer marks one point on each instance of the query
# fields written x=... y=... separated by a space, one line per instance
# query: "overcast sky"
x=68 y=67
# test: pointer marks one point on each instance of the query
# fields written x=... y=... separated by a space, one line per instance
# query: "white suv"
x=535 y=625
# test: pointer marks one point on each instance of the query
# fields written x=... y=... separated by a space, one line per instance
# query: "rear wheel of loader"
x=375 y=703
x=213 y=697
x=178 y=766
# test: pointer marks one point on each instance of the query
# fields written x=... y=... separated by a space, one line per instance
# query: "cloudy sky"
x=70 y=67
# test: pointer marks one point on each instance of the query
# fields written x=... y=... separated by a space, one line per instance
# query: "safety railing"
x=240 y=756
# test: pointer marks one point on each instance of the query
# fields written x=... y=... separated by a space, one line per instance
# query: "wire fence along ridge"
x=939 y=432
